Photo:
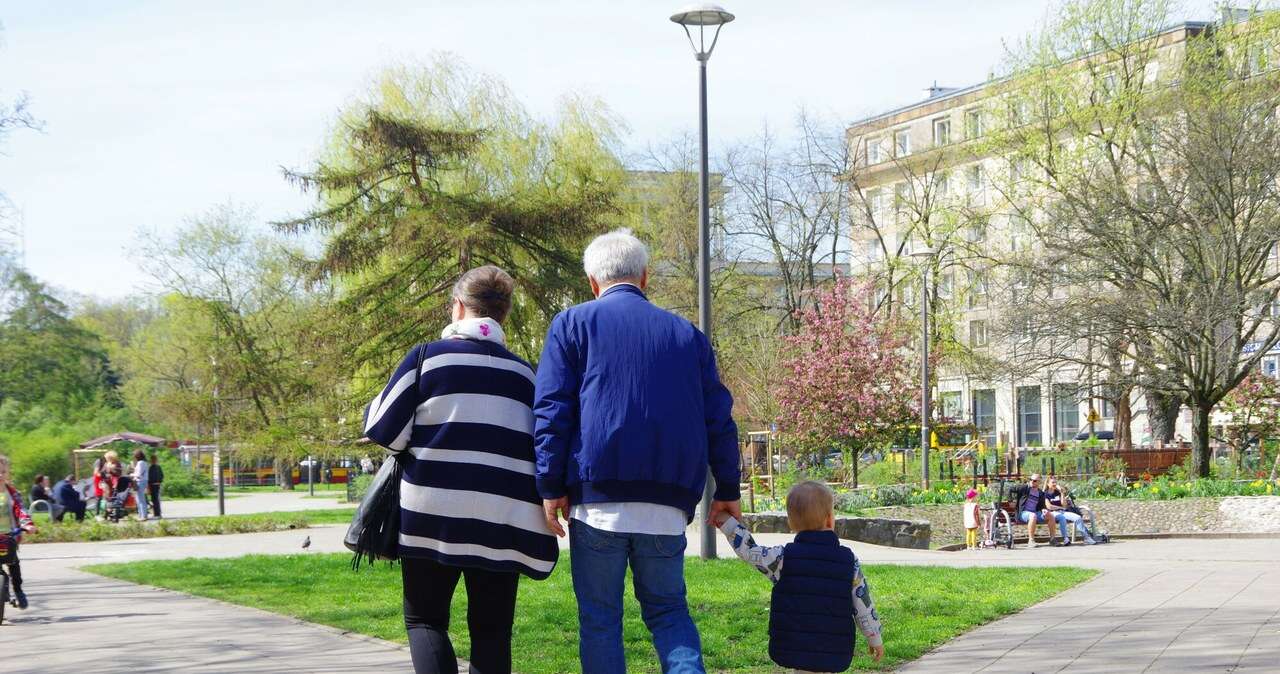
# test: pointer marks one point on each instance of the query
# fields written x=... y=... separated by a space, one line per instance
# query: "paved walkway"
x=254 y=502
x=1160 y=606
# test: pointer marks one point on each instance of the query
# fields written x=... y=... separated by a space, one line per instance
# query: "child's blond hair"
x=809 y=504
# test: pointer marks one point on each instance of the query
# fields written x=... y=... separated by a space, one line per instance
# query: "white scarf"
x=481 y=329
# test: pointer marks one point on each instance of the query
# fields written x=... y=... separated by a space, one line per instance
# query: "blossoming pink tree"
x=1254 y=408
x=847 y=376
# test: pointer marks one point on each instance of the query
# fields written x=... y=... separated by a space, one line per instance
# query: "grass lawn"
x=921 y=607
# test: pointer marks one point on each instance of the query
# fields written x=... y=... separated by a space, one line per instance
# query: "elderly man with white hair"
x=629 y=412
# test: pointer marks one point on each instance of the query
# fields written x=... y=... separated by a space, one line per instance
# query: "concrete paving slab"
x=1160 y=606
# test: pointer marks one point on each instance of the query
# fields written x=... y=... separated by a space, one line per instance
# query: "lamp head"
x=702 y=14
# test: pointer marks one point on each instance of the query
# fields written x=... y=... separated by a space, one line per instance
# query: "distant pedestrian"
x=141 y=472
x=155 y=478
x=99 y=492
x=972 y=519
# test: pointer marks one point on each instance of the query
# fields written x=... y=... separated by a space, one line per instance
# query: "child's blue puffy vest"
x=811 y=613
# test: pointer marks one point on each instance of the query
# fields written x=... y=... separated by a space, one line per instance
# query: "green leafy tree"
x=45 y=357
x=439 y=169
x=241 y=342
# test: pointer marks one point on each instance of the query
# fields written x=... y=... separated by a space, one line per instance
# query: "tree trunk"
x=283 y=479
x=1124 y=423
x=1162 y=411
x=1200 y=439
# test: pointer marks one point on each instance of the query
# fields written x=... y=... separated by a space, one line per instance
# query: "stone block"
x=874 y=530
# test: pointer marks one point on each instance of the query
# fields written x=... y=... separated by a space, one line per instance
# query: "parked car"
x=1101 y=435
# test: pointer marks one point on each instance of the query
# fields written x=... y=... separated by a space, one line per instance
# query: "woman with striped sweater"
x=458 y=413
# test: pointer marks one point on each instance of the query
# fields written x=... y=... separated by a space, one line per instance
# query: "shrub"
x=182 y=482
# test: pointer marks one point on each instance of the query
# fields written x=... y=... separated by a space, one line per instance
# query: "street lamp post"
x=702 y=17
x=217 y=445
x=925 y=256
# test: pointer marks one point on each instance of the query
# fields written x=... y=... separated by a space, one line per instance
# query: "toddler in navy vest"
x=819 y=592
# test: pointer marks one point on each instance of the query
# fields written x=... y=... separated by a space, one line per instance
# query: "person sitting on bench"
x=70 y=500
x=1032 y=506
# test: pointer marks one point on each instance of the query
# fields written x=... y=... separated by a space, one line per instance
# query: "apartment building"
x=921 y=173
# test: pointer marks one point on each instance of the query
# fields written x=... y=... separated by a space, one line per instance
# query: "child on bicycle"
x=811 y=622
x=972 y=519
x=13 y=520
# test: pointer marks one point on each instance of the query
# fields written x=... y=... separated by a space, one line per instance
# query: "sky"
x=154 y=112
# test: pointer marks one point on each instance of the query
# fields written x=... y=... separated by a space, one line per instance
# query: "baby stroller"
x=121 y=499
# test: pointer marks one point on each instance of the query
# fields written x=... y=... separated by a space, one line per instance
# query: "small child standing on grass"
x=972 y=519
x=820 y=592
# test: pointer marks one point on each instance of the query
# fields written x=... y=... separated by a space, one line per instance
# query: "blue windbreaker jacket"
x=629 y=407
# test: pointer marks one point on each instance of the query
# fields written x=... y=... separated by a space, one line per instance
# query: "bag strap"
x=422 y=357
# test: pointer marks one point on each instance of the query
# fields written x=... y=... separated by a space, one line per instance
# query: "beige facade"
x=923 y=173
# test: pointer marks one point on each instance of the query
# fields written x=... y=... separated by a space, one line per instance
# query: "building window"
x=901 y=143
x=1150 y=72
x=872 y=249
x=901 y=198
x=1258 y=60
x=1066 y=411
x=1029 y=416
x=984 y=415
x=873 y=151
x=946 y=284
x=973 y=177
x=875 y=200
x=942 y=184
x=951 y=404
x=977 y=233
x=977 y=333
x=1110 y=85
x=1020 y=112
x=942 y=131
x=1269 y=366
x=1108 y=408
x=978 y=293
x=1016 y=169
x=973 y=124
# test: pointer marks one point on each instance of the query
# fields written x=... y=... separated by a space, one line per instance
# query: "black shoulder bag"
x=375 y=529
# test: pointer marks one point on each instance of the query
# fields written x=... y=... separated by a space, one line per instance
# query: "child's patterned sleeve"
x=766 y=560
x=864 y=609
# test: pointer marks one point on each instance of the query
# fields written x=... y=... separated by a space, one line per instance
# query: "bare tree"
x=785 y=208
x=1152 y=200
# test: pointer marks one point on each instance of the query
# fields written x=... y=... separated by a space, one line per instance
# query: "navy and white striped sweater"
x=468 y=496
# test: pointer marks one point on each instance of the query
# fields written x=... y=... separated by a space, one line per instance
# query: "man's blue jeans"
x=1026 y=515
x=599 y=561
